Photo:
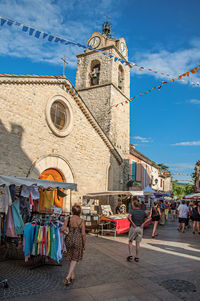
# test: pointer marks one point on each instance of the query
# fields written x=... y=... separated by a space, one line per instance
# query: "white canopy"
x=43 y=183
x=109 y=193
x=192 y=196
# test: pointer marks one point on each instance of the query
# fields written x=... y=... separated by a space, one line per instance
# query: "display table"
x=121 y=224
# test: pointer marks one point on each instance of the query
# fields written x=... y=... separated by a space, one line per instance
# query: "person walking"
x=75 y=241
x=137 y=220
x=162 y=210
x=166 y=210
x=143 y=206
x=155 y=217
x=173 y=210
x=183 y=211
x=195 y=217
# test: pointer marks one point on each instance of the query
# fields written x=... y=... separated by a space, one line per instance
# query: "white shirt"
x=183 y=211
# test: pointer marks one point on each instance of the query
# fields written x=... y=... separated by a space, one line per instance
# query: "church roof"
x=62 y=80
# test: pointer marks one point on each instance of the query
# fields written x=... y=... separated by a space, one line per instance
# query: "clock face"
x=94 y=42
x=123 y=49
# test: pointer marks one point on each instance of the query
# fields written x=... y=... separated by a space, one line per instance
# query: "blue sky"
x=162 y=35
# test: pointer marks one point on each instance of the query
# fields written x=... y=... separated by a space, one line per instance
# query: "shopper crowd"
x=185 y=211
x=160 y=212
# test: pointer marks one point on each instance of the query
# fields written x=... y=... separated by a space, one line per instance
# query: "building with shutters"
x=144 y=172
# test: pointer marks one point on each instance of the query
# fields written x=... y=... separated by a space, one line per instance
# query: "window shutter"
x=133 y=170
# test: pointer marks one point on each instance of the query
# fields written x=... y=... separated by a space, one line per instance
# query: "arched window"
x=120 y=77
x=94 y=73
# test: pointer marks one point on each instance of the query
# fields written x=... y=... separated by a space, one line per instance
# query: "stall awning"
x=192 y=196
x=110 y=193
x=4 y=180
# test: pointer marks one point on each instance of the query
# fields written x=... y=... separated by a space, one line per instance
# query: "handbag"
x=155 y=213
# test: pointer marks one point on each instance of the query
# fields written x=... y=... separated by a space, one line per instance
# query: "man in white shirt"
x=182 y=214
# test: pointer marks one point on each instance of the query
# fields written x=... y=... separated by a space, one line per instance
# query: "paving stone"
x=104 y=274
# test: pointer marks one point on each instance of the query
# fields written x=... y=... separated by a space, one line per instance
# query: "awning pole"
x=70 y=201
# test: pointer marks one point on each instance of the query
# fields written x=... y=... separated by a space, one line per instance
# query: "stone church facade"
x=47 y=124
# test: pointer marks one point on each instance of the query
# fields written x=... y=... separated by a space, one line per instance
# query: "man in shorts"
x=137 y=220
x=183 y=211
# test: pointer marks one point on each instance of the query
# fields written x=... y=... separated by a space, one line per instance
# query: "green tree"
x=189 y=188
x=178 y=190
x=163 y=167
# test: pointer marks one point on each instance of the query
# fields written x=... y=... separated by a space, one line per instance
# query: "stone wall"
x=26 y=140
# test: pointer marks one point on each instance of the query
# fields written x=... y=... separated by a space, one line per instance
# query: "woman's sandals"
x=67 y=282
x=129 y=258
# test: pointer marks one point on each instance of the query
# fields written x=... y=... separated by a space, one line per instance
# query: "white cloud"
x=173 y=63
x=194 y=101
x=142 y=139
x=56 y=17
x=188 y=143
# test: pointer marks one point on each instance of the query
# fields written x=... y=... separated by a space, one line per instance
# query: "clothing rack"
x=42 y=219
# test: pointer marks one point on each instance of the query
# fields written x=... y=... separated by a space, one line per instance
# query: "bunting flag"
x=39 y=33
x=52 y=38
x=170 y=76
x=180 y=174
x=194 y=70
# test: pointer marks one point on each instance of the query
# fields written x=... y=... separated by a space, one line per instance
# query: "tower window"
x=95 y=73
x=120 y=78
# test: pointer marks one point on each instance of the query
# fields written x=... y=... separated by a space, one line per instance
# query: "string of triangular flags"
x=194 y=70
x=181 y=174
x=37 y=33
x=168 y=75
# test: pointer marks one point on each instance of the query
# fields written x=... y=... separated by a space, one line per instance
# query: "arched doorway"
x=52 y=174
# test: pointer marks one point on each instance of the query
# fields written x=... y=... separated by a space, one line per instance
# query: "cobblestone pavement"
x=169 y=269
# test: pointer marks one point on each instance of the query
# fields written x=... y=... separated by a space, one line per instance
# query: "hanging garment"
x=1 y=226
x=44 y=240
x=5 y=199
x=53 y=251
x=39 y=239
x=35 y=207
x=3 y=202
x=30 y=190
x=10 y=228
x=29 y=231
x=48 y=241
x=35 y=244
x=17 y=218
x=41 y=200
x=59 y=247
x=25 y=208
x=48 y=198
x=12 y=192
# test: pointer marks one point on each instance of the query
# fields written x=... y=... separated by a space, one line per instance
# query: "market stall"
x=108 y=202
x=30 y=213
x=192 y=196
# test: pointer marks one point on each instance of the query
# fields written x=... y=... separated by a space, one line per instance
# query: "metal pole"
x=70 y=200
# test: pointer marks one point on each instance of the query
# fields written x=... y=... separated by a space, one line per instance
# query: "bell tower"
x=103 y=81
